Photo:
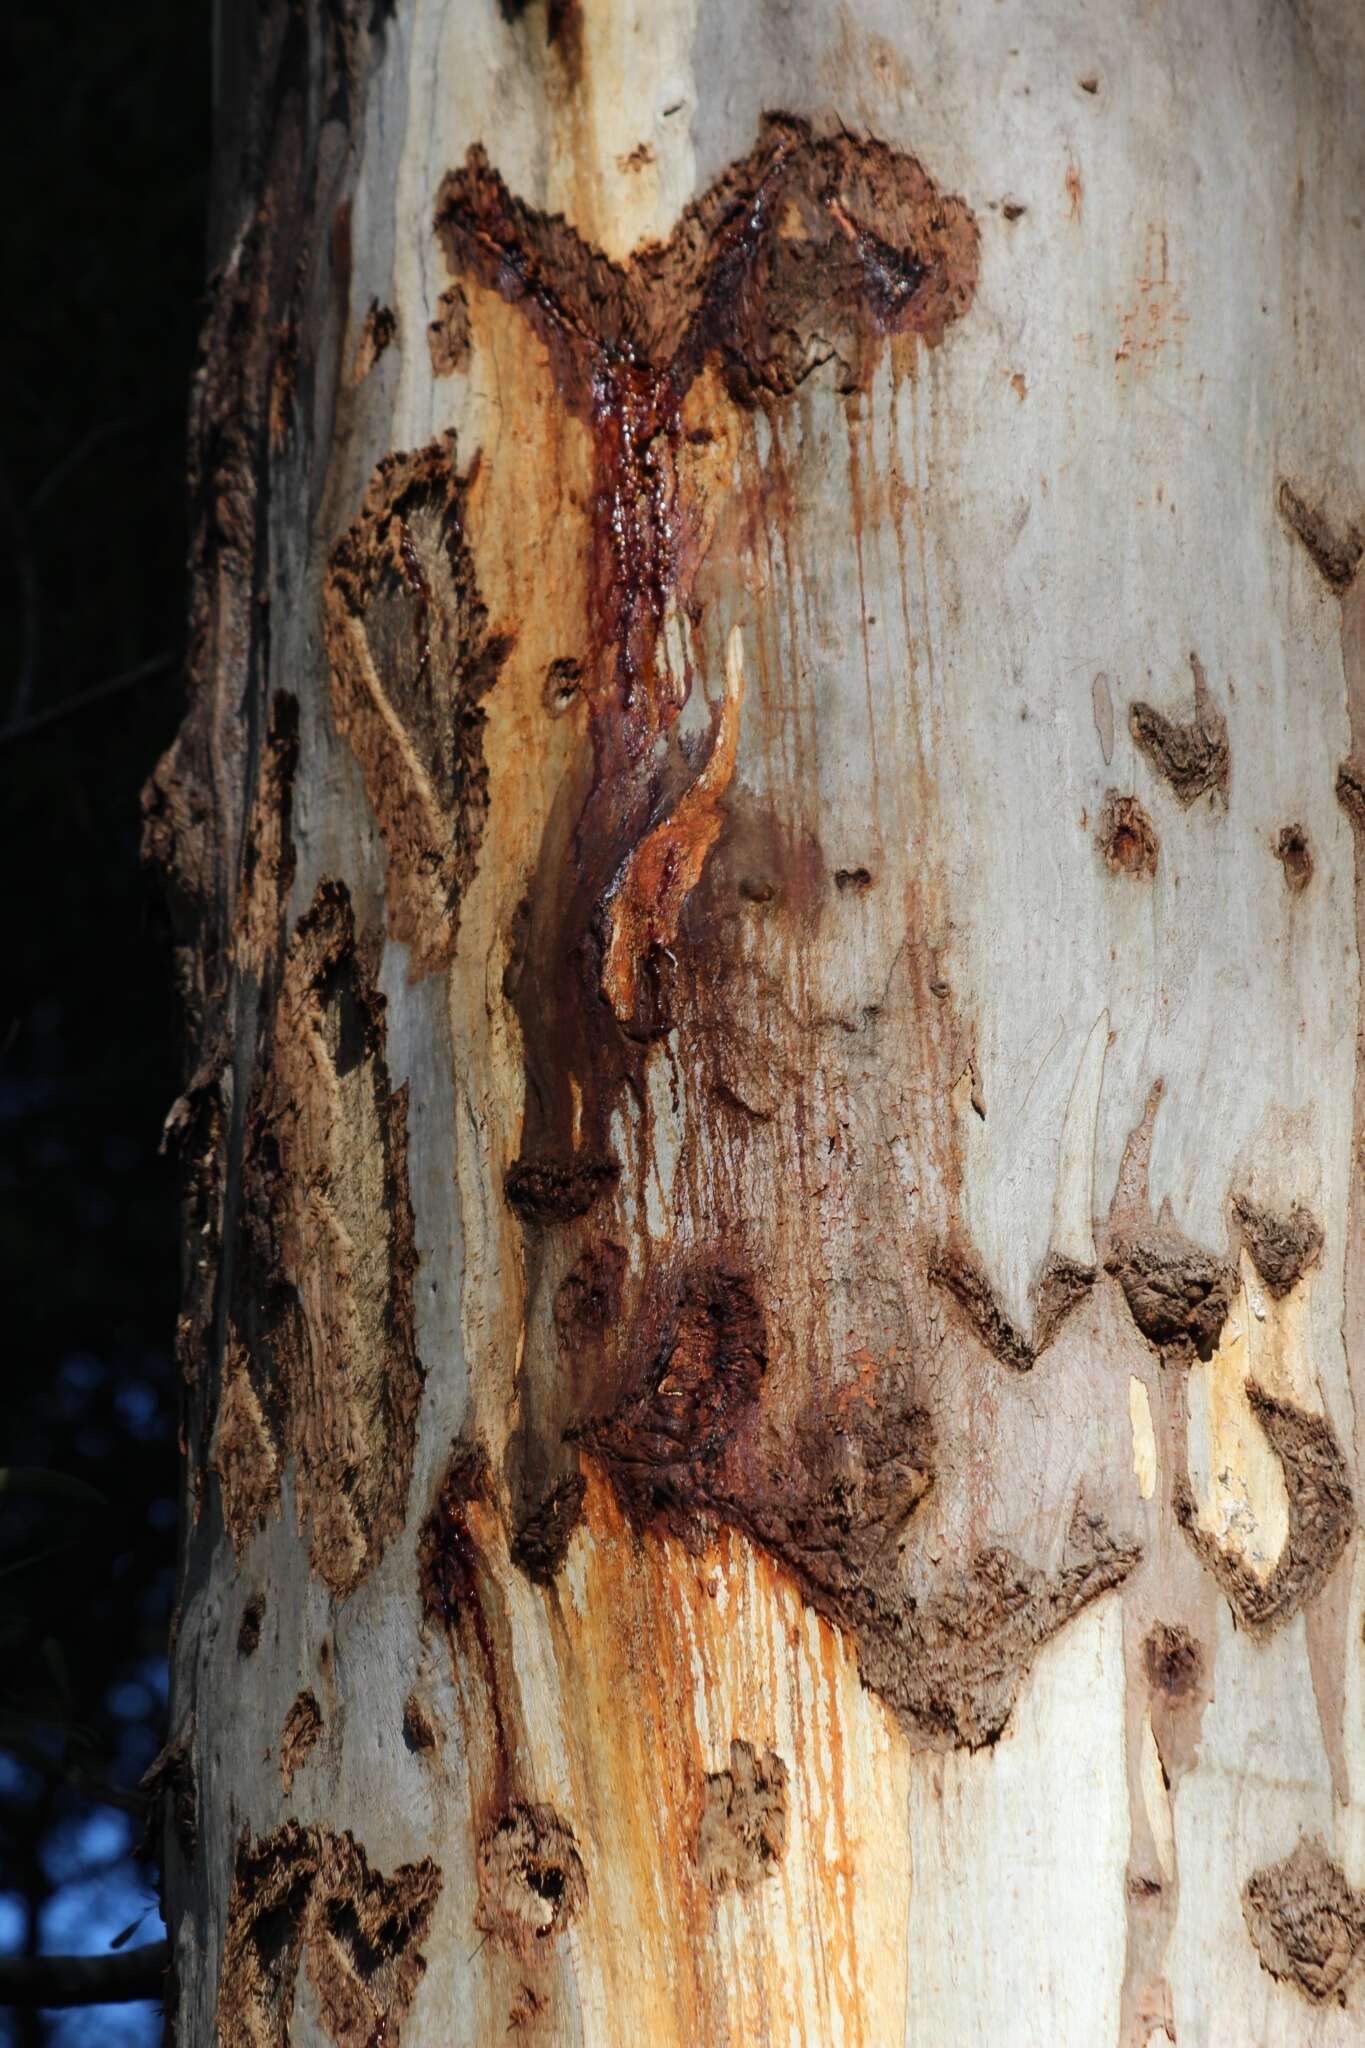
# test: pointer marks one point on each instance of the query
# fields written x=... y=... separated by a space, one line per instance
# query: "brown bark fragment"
x=688 y=1446
x=960 y=1273
x=378 y=329
x=1350 y=787
x=1295 y=856
x=1126 y=836
x=448 y=333
x=531 y=1878
x=541 y=1543
x=249 y=1627
x=446 y=1553
x=419 y=1732
x=588 y=1298
x=245 y=1454
x=1177 y=1293
x=743 y=1833
x=1321 y=1518
x=331 y=1376
x=552 y=1191
x=1191 y=757
x=807 y=247
x=308 y=1895
x=954 y=1666
x=1174 y=1661
x=1336 y=556
x=411 y=657
x=1282 y=1248
x=268 y=856
x=1063 y=1284
x=302 y=1727
x=169 y=1781
x=1306 y=1923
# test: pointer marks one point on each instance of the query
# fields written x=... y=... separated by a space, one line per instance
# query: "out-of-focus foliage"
x=104 y=142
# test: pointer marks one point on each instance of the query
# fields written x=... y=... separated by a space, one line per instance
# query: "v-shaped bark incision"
x=809 y=250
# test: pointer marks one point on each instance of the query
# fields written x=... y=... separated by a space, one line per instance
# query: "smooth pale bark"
x=974 y=1107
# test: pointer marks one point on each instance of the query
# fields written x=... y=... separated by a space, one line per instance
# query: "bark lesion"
x=743 y=1832
x=1306 y=1921
x=687 y=1448
x=321 y=1364
x=1063 y=1283
x=1321 y=1518
x=307 y=1897
x=1192 y=756
x=412 y=656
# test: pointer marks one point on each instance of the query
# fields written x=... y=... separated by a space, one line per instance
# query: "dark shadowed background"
x=105 y=148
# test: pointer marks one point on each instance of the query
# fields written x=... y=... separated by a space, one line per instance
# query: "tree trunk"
x=773 y=1342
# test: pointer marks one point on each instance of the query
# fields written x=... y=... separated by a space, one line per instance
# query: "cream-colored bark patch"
x=1236 y=1480
x=1144 y=1437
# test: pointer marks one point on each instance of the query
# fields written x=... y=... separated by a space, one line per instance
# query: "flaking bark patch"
x=1295 y=856
x=330 y=1376
x=687 y=1447
x=1282 y=1248
x=1177 y=1293
x=302 y=1727
x=1173 y=1660
x=308 y=1896
x=743 y=1832
x=377 y=331
x=448 y=333
x=249 y=1627
x=541 y=1543
x=954 y=1665
x=588 y=1298
x=447 y=1558
x=169 y=1782
x=1191 y=757
x=1305 y=1921
x=1062 y=1286
x=1321 y=1517
x=1335 y=555
x=411 y=658
x=1126 y=836
x=419 y=1730
x=268 y=857
x=531 y=1879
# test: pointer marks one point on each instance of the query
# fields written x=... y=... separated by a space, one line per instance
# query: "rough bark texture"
x=775 y=1276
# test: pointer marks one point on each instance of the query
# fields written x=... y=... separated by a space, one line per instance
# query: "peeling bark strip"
x=411 y=657
x=325 y=1368
x=743 y=1834
x=1306 y=1922
x=808 y=250
x=1321 y=1517
x=307 y=1895
x=1192 y=757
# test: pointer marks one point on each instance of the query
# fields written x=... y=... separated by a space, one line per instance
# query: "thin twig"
x=72 y=461
x=110 y=687
x=85 y=1980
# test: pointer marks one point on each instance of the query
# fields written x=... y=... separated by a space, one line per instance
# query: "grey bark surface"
x=765 y=849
